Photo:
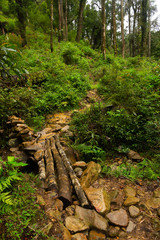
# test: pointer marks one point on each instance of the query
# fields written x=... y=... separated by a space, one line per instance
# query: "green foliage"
x=144 y=170
x=8 y=176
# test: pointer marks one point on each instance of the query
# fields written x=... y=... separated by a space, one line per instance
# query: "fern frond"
x=6 y=198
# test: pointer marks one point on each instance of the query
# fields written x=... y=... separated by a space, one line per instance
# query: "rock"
x=40 y=200
x=34 y=147
x=75 y=224
x=113 y=195
x=92 y=218
x=156 y=193
x=58 y=205
x=78 y=171
x=158 y=212
x=14 y=149
x=122 y=234
x=80 y=164
x=90 y=175
x=14 y=142
x=44 y=136
x=113 y=231
x=118 y=201
x=66 y=234
x=65 y=129
x=79 y=236
x=99 y=198
x=39 y=155
x=96 y=235
x=54 y=214
x=21 y=156
x=70 y=210
x=133 y=211
x=23 y=132
x=153 y=203
x=129 y=192
x=70 y=154
x=134 y=155
x=118 y=217
x=131 y=201
x=131 y=226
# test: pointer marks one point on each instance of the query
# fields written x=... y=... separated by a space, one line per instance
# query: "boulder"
x=92 y=218
x=78 y=171
x=118 y=217
x=96 y=235
x=153 y=203
x=129 y=191
x=131 y=201
x=131 y=226
x=79 y=236
x=75 y=224
x=133 y=211
x=134 y=155
x=80 y=164
x=99 y=198
x=90 y=175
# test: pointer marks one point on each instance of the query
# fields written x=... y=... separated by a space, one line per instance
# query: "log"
x=77 y=186
x=64 y=186
x=42 y=172
x=50 y=173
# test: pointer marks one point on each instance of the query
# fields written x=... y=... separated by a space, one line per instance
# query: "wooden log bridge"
x=56 y=170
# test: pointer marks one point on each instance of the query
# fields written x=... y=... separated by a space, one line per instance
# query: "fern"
x=8 y=176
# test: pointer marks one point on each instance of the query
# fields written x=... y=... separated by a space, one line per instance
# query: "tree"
x=80 y=19
x=51 y=43
x=103 y=34
x=122 y=29
x=114 y=26
x=144 y=27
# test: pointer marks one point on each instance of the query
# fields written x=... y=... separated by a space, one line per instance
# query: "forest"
x=93 y=68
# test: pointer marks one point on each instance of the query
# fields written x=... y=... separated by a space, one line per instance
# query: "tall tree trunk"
x=80 y=19
x=144 y=27
x=129 y=25
x=60 y=22
x=103 y=34
x=22 y=22
x=114 y=27
x=122 y=29
x=66 y=24
x=63 y=21
x=149 y=28
x=51 y=43
x=134 y=31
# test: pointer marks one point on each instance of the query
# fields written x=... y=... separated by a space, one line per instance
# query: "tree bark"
x=66 y=19
x=77 y=186
x=149 y=28
x=144 y=27
x=22 y=22
x=51 y=43
x=114 y=27
x=80 y=19
x=51 y=178
x=103 y=34
x=60 y=22
x=122 y=29
x=129 y=25
x=64 y=187
x=42 y=172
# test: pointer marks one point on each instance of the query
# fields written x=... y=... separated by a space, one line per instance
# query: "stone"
x=156 y=193
x=113 y=195
x=78 y=171
x=66 y=234
x=155 y=224
x=75 y=224
x=23 y=131
x=65 y=129
x=134 y=155
x=58 y=205
x=118 y=217
x=131 y=201
x=14 y=142
x=134 y=211
x=122 y=234
x=39 y=155
x=99 y=198
x=70 y=154
x=90 y=175
x=80 y=164
x=92 y=218
x=79 y=236
x=70 y=210
x=14 y=149
x=129 y=191
x=96 y=235
x=131 y=226
x=113 y=231
x=34 y=147
x=40 y=200
x=153 y=203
